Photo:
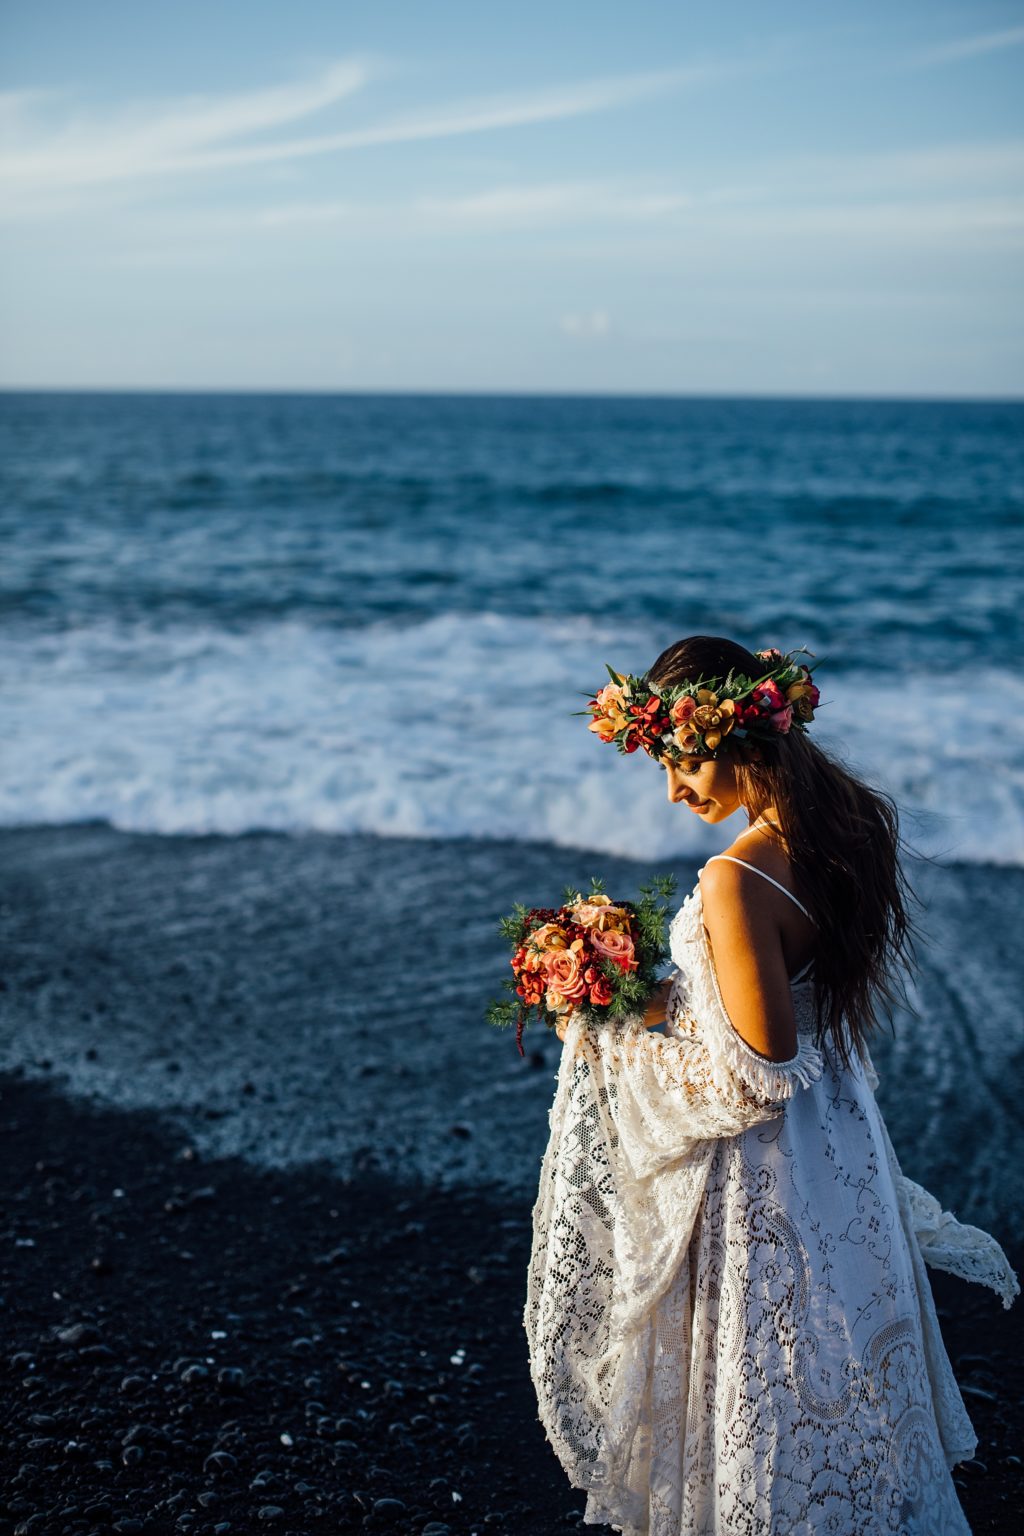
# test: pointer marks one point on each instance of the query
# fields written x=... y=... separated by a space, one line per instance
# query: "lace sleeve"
x=946 y=1243
x=633 y=1129
x=673 y=1093
x=676 y=1091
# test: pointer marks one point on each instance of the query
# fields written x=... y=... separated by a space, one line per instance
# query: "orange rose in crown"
x=592 y=957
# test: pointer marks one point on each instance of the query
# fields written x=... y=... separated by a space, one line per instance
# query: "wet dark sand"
x=299 y=1119
x=140 y=1414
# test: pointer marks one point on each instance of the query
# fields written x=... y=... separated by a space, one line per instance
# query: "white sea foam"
x=459 y=726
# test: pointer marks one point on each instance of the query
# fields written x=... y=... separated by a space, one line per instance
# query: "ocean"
x=287 y=697
x=377 y=614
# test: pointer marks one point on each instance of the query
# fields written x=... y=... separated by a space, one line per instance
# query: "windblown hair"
x=843 y=843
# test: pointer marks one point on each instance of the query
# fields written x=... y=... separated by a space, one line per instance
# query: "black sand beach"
x=201 y=1346
x=220 y=1229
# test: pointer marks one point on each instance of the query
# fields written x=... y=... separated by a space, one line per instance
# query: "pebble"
x=219 y=1462
x=97 y=1352
x=78 y=1333
x=270 y=1512
x=336 y=1255
x=146 y=1433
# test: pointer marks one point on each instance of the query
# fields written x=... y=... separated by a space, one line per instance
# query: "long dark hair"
x=843 y=843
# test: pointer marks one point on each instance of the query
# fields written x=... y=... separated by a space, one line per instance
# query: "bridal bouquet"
x=591 y=956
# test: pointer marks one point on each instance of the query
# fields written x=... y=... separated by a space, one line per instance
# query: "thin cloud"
x=190 y=135
x=953 y=193
x=971 y=47
x=529 y=205
x=150 y=139
x=551 y=202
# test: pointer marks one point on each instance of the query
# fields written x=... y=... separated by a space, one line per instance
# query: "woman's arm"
x=746 y=952
x=673 y=1091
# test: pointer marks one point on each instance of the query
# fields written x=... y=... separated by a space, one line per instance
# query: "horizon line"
x=334 y=392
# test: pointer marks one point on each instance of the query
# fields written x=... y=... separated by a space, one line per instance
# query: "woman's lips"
x=699 y=805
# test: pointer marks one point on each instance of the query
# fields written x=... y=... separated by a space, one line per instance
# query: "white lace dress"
x=730 y=1326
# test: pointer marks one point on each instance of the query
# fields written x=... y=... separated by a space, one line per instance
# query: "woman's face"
x=706 y=785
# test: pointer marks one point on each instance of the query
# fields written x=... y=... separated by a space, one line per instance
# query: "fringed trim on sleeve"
x=769 y=1079
x=957 y=1247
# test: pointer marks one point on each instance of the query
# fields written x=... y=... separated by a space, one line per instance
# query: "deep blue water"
x=376 y=613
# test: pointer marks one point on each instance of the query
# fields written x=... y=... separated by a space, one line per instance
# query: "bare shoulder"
x=764 y=852
x=731 y=883
x=725 y=887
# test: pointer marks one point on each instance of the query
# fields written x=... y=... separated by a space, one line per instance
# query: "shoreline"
x=292 y=1000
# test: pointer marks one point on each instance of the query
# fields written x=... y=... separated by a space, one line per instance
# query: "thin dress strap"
x=733 y=859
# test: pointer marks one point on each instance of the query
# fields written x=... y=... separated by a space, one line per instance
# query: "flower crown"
x=709 y=716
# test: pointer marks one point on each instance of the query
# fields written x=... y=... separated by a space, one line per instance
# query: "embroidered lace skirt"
x=798 y=1384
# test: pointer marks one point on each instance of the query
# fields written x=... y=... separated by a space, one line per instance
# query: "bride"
x=730 y=1325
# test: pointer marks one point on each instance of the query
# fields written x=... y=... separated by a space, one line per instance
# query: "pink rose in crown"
x=782 y=719
x=615 y=946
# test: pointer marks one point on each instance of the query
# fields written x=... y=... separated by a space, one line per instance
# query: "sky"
x=663 y=198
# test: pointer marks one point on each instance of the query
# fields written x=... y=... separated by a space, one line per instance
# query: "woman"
x=730 y=1325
